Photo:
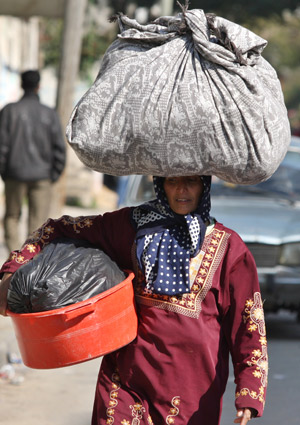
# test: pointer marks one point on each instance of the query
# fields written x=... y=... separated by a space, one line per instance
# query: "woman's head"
x=171 y=228
x=183 y=193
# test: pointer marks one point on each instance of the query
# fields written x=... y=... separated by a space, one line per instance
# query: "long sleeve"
x=246 y=333
x=112 y=232
x=4 y=138
x=58 y=148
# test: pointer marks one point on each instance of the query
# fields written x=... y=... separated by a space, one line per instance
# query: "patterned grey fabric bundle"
x=185 y=95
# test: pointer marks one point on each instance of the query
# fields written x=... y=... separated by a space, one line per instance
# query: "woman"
x=198 y=300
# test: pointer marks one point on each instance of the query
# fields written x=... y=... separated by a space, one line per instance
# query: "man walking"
x=32 y=157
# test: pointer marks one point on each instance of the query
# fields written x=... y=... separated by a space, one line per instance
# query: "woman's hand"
x=243 y=416
x=4 y=284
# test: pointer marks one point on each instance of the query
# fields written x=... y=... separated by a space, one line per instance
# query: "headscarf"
x=165 y=241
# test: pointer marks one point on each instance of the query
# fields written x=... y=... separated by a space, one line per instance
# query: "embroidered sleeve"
x=102 y=231
x=246 y=334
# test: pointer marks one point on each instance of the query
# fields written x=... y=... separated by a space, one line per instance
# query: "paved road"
x=283 y=397
x=47 y=397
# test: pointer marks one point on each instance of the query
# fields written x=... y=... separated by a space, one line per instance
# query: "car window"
x=145 y=190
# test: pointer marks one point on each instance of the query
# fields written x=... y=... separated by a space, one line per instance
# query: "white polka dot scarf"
x=166 y=241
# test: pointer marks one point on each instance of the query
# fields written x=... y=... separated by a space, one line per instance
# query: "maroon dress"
x=176 y=370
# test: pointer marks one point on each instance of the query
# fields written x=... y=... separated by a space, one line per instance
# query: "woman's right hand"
x=4 y=284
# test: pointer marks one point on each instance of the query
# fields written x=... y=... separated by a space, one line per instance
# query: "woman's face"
x=183 y=193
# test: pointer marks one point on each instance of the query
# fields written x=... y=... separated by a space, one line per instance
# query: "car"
x=266 y=216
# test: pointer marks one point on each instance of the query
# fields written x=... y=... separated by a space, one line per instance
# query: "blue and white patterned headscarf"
x=166 y=241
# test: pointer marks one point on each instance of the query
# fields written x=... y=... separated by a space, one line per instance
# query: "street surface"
x=283 y=395
x=65 y=396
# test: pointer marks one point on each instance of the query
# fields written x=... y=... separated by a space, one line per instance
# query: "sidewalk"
x=33 y=397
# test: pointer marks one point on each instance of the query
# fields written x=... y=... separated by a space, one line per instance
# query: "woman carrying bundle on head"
x=198 y=301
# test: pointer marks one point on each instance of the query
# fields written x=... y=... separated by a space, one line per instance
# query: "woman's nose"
x=182 y=187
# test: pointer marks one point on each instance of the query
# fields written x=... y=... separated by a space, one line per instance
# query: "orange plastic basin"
x=78 y=332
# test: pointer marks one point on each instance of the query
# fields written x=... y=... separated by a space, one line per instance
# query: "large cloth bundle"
x=185 y=95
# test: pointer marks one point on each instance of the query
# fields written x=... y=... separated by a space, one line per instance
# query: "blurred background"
x=66 y=40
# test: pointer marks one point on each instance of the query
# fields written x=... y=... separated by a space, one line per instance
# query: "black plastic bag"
x=64 y=272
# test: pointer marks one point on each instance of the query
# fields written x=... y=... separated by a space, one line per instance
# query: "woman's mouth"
x=183 y=200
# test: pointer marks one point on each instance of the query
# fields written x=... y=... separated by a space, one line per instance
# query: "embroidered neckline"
x=202 y=269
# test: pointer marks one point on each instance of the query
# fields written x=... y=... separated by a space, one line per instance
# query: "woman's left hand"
x=243 y=416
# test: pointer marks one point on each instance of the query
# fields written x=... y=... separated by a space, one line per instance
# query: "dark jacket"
x=32 y=146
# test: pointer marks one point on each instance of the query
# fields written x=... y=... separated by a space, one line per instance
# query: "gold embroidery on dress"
x=254 y=317
x=18 y=258
x=137 y=411
x=78 y=222
x=253 y=394
x=30 y=247
x=189 y=304
x=113 y=395
x=174 y=411
x=195 y=264
x=42 y=235
x=254 y=313
x=149 y=420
